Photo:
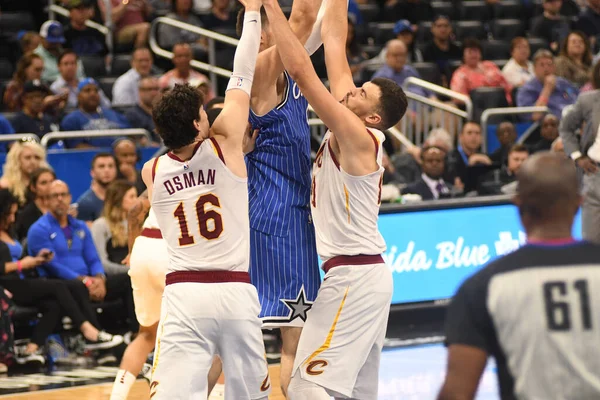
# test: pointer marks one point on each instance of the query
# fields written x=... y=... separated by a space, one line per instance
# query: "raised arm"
x=268 y=64
x=230 y=125
x=334 y=33
x=349 y=130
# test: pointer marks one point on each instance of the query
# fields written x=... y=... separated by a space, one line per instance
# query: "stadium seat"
x=453 y=66
x=424 y=32
x=444 y=8
x=487 y=97
x=500 y=63
x=536 y=43
x=93 y=66
x=508 y=9
x=469 y=29
x=368 y=71
x=369 y=12
x=429 y=72
x=120 y=64
x=495 y=49
x=381 y=32
x=13 y=22
x=506 y=29
x=474 y=11
x=6 y=69
x=106 y=84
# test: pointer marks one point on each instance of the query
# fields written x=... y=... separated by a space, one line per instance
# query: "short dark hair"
x=213 y=101
x=519 y=148
x=103 y=154
x=516 y=41
x=471 y=121
x=66 y=53
x=392 y=103
x=239 y=24
x=471 y=43
x=174 y=115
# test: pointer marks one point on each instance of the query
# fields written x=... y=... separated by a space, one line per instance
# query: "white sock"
x=123 y=382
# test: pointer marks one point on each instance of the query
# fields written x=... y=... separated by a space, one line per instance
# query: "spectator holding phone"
x=53 y=297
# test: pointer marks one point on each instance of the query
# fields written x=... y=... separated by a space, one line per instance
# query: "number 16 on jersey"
x=210 y=222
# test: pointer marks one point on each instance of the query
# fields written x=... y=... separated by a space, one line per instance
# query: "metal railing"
x=26 y=137
x=92 y=134
x=485 y=116
x=211 y=37
x=412 y=81
x=424 y=114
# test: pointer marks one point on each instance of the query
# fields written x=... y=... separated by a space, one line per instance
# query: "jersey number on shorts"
x=558 y=310
x=204 y=217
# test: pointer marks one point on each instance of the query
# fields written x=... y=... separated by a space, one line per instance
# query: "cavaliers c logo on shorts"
x=314 y=367
x=153 y=386
x=266 y=384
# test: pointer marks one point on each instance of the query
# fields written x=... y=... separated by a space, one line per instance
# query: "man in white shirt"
x=125 y=89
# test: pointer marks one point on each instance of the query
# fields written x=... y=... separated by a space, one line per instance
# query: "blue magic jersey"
x=279 y=166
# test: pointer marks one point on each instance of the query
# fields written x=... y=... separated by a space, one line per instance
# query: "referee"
x=536 y=310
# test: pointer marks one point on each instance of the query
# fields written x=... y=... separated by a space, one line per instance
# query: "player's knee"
x=301 y=389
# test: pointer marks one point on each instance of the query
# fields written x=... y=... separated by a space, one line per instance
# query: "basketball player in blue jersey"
x=340 y=346
x=283 y=265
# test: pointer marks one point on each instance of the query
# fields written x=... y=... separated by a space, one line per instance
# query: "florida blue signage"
x=431 y=252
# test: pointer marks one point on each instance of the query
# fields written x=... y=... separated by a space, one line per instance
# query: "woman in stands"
x=574 y=62
x=29 y=68
x=37 y=200
x=110 y=231
x=518 y=70
x=52 y=297
x=22 y=160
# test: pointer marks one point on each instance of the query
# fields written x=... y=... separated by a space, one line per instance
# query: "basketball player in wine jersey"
x=199 y=193
x=340 y=345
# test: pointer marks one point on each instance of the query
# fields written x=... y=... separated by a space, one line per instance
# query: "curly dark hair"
x=392 y=103
x=175 y=113
x=7 y=199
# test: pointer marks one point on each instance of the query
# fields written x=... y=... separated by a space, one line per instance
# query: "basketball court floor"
x=407 y=373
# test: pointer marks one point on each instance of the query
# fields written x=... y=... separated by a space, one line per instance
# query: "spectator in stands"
x=548 y=133
x=5 y=128
x=431 y=184
x=442 y=49
x=84 y=41
x=518 y=70
x=396 y=67
x=589 y=22
x=129 y=18
x=54 y=298
x=32 y=118
x=221 y=16
x=356 y=56
x=22 y=160
x=125 y=89
x=38 y=198
x=408 y=163
x=575 y=60
x=169 y=35
x=91 y=116
x=516 y=157
x=110 y=231
x=103 y=172
x=68 y=82
x=415 y=10
x=29 y=41
x=29 y=68
x=75 y=257
x=467 y=154
x=507 y=136
x=551 y=25
x=140 y=116
x=51 y=48
x=405 y=32
x=546 y=89
x=127 y=157
x=183 y=72
x=475 y=73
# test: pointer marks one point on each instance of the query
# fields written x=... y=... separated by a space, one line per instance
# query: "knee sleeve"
x=301 y=389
